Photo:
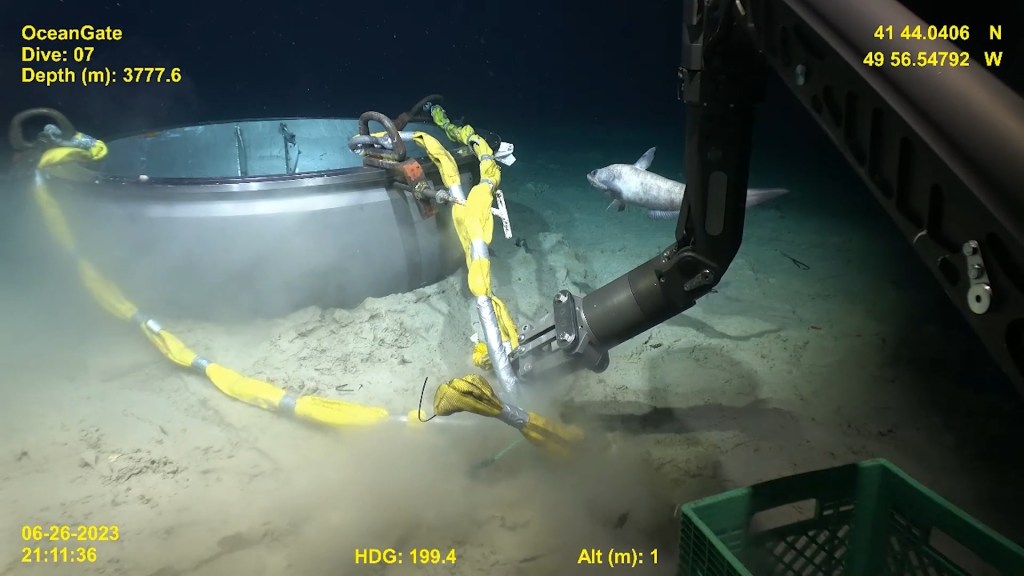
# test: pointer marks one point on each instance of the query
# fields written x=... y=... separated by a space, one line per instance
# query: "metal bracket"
x=979 y=293
x=409 y=176
x=501 y=211
x=560 y=342
x=289 y=140
x=532 y=342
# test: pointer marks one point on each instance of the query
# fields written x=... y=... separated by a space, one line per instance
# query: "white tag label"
x=504 y=153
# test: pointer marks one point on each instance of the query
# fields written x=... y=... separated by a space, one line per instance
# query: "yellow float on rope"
x=249 y=390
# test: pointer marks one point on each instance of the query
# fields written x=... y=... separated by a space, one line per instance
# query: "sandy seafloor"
x=782 y=370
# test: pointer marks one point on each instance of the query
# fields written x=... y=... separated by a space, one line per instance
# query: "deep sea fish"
x=632 y=184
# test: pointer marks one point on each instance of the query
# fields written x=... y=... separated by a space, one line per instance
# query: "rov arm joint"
x=722 y=79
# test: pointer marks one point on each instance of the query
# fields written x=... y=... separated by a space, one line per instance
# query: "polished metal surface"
x=242 y=219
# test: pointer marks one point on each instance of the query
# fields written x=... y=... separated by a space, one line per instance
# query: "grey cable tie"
x=287 y=403
x=200 y=364
x=514 y=416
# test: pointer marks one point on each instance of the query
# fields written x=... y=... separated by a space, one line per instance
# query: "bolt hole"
x=948 y=271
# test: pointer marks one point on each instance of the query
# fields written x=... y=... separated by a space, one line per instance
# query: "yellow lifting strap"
x=474 y=394
x=441 y=158
x=249 y=390
x=475 y=222
x=472 y=220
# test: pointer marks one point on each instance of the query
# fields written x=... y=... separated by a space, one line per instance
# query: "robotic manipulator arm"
x=942 y=148
x=722 y=78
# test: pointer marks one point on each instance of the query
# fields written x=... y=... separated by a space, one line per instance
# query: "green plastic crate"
x=865 y=519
